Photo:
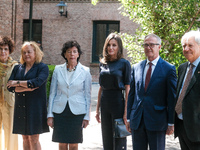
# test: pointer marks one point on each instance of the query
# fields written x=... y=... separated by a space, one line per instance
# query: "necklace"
x=73 y=69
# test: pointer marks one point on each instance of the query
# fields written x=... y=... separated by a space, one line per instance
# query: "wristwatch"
x=18 y=83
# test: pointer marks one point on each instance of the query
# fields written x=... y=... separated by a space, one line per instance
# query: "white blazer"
x=76 y=92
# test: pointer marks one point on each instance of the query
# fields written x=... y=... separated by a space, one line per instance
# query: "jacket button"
x=23 y=94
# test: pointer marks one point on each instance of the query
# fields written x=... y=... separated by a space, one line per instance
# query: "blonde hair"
x=38 y=53
x=106 y=56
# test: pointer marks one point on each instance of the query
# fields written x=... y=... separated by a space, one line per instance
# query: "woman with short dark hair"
x=7 y=99
x=70 y=98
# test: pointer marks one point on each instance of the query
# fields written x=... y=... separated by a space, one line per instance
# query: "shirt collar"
x=196 y=62
x=154 y=62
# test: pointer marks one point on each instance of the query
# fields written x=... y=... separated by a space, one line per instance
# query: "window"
x=36 y=30
x=101 y=29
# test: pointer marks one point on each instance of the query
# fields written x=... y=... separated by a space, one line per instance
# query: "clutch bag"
x=120 y=129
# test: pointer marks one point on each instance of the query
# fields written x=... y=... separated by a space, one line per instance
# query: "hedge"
x=51 y=69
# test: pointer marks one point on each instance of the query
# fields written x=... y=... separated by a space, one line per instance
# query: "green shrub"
x=51 y=69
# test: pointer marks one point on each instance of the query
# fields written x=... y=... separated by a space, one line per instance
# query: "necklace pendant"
x=71 y=69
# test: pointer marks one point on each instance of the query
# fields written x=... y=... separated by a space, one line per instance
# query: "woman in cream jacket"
x=70 y=98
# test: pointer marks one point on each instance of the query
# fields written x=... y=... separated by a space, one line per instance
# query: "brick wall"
x=56 y=29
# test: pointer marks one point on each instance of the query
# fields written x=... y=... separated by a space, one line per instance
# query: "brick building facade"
x=84 y=23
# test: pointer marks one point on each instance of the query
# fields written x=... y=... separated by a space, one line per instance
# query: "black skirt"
x=68 y=127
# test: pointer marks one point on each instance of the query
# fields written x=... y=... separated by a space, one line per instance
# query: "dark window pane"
x=101 y=30
x=100 y=36
x=36 y=30
x=113 y=28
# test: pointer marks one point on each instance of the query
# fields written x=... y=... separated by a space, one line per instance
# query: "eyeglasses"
x=4 y=49
x=70 y=52
x=152 y=45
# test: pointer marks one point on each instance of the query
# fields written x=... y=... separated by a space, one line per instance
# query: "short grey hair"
x=153 y=35
x=192 y=33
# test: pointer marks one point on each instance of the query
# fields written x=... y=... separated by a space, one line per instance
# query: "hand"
x=128 y=127
x=12 y=83
x=85 y=123
x=170 y=130
x=98 y=117
x=50 y=122
x=125 y=118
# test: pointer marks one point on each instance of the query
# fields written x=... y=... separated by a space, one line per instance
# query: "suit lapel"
x=194 y=79
x=181 y=77
x=63 y=72
x=76 y=73
x=29 y=72
x=156 y=73
x=141 y=74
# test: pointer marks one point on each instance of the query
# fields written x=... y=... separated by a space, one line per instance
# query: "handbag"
x=120 y=129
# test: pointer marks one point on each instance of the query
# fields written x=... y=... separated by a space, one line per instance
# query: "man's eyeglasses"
x=152 y=45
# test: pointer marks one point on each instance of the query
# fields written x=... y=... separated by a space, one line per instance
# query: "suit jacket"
x=30 y=106
x=76 y=92
x=190 y=104
x=156 y=104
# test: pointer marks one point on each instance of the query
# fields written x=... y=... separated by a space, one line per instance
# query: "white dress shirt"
x=154 y=63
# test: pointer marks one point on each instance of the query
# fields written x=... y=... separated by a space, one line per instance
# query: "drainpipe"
x=12 y=19
x=30 y=20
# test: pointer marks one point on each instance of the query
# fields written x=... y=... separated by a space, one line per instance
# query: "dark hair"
x=106 y=56
x=7 y=41
x=70 y=44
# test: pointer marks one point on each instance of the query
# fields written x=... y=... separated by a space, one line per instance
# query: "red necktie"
x=178 y=107
x=148 y=76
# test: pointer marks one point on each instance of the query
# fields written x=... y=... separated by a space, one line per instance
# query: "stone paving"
x=92 y=134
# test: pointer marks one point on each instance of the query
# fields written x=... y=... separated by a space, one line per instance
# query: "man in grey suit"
x=187 y=117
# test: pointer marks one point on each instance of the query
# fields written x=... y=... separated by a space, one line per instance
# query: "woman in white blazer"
x=70 y=99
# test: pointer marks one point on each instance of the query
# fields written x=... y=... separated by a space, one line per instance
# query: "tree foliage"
x=169 y=19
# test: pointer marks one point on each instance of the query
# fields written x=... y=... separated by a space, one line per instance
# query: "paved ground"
x=92 y=134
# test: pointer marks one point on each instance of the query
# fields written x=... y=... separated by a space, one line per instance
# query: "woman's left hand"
x=125 y=118
x=85 y=123
x=12 y=83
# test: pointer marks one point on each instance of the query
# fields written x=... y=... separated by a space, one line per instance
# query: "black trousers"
x=185 y=143
x=112 y=107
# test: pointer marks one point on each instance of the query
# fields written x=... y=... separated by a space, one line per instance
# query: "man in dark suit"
x=151 y=101
x=187 y=117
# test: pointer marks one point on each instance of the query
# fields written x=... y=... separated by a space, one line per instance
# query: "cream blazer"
x=77 y=92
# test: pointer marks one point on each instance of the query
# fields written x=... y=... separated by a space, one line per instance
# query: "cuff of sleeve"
x=29 y=84
x=86 y=117
x=50 y=115
x=170 y=124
